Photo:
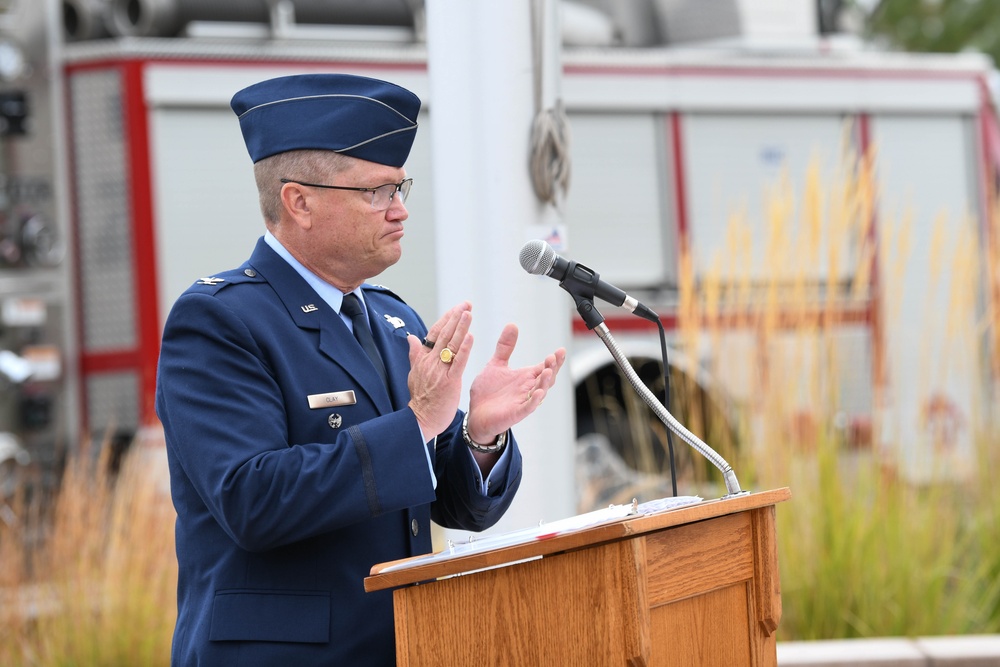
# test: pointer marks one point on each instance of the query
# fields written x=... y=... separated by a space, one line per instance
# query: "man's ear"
x=296 y=204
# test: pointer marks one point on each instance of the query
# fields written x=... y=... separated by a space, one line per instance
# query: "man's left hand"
x=502 y=396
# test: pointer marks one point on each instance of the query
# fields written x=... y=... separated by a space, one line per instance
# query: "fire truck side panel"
x=616 y=212
x=928 y=209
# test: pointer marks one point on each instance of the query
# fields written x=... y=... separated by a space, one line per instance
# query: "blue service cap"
x=355 y=115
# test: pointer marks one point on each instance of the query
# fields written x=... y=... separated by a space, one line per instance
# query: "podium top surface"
x=424 y=568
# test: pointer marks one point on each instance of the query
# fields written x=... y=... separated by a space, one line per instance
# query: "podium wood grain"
x=691 y=586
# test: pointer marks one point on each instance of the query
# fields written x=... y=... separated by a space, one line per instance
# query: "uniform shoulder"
x=219 y=281
x=381 y=289
x=391 y=306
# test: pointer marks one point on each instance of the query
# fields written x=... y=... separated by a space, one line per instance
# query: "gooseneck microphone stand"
x=582 y=293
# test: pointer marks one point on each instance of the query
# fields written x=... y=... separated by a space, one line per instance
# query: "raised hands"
x=500 y=396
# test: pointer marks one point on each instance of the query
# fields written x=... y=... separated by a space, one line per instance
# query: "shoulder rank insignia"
x=211 y=281
x=395 y=322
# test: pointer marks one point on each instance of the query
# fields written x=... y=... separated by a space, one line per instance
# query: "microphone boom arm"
x=732 y=484
x=583 y=284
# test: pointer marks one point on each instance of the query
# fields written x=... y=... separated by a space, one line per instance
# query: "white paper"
x=547 y=530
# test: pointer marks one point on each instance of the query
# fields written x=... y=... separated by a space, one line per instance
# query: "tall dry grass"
x=866 y=547
x=99 y=586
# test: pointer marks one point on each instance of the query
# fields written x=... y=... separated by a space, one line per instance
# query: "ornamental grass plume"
x=872 y=543
x=887 y=533
x=97 y=587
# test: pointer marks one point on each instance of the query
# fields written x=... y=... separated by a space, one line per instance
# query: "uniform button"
x=414 y=527
x=249 y=273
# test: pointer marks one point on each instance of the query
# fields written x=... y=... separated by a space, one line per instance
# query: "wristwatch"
x=495 y=448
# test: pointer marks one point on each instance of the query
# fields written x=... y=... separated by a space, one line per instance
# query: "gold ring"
x=447 y=355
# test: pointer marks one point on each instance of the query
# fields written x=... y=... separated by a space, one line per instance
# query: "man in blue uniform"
x=311 y=419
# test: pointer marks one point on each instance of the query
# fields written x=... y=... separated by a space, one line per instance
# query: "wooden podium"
x=692 y=586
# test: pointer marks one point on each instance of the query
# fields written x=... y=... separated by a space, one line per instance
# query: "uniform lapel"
x=309 y=311
x=338 y=343
x=391 y=341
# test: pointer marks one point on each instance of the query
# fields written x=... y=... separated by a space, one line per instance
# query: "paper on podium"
x=547 y=530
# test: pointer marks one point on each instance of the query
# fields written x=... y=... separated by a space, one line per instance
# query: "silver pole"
x=732 y=485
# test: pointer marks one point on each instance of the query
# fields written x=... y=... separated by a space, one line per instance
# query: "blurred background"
x=804 y=191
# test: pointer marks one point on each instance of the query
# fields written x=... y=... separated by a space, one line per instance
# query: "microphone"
x=539 y=259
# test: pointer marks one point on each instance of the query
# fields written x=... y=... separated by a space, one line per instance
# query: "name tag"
x=317 y=401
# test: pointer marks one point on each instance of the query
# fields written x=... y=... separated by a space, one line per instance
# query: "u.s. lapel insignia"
x=334 y=420
x=395 y=322
x=309 y=308
x=211 y=281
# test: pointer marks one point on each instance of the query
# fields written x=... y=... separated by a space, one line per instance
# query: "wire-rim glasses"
x=382 y=195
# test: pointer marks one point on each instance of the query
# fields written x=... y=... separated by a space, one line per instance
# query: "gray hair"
x=308 y=166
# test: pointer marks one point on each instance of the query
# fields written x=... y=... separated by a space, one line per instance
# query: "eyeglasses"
x=382 y=195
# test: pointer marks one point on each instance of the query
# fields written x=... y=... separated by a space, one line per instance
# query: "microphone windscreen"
x=537 y=257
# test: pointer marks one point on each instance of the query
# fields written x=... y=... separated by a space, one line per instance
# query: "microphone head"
x=537 y=257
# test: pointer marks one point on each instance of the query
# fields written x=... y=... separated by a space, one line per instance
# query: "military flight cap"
x=359 y=116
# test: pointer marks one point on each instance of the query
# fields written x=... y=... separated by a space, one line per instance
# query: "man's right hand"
x=436 y=386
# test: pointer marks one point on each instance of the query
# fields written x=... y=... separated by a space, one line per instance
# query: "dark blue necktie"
x=359 y=319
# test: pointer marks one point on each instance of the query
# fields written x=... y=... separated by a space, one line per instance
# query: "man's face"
x=350 y=241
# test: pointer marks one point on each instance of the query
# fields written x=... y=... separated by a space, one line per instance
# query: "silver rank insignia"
x=395 y=322
x=211 y=281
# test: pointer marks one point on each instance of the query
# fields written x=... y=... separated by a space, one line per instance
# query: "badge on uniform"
x=396 y=322
x=211 y=281
x=319 y=401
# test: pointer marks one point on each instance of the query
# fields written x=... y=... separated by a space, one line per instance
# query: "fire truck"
x=125 y=180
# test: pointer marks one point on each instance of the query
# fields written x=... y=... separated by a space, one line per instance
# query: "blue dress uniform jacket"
x=283 y=508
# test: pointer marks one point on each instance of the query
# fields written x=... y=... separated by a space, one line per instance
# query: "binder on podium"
x=690 y=585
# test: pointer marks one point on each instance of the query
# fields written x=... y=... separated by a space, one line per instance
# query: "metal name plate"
x=317 y=401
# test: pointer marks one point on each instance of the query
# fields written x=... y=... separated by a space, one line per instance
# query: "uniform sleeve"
x=460 y=501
